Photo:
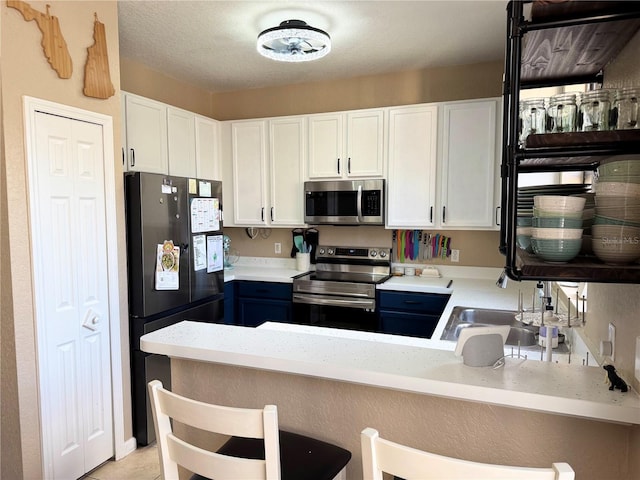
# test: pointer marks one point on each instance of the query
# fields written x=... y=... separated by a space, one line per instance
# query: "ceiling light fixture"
x=294 y=41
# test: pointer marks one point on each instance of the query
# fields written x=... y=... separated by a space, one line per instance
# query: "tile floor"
x=139 y=465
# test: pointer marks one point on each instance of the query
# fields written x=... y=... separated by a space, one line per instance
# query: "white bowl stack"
x=616 y=226
x=556 y=235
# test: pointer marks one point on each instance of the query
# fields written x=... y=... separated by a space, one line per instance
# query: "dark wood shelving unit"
x=581 y=269
x=563 y=43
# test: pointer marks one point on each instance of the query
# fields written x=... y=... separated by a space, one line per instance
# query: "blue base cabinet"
x=229 y=303
x=259 y=302
x=411 y=314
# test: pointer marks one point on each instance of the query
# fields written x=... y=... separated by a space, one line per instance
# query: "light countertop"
x=470 y=286
x=394 y=364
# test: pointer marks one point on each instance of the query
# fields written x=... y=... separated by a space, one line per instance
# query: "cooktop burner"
x=355 y=277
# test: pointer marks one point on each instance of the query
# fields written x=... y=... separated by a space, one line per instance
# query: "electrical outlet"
x=612 y=339
x=278 y=248
x=455 y=255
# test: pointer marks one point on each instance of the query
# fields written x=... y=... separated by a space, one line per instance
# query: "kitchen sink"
x=467 y=317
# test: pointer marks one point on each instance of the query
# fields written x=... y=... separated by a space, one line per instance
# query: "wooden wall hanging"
x=53 y=43
x=97 y=80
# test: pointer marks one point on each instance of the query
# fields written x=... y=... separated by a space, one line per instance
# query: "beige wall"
x=338 y=411
x=419 y=86
x=25 y=71
x=139 y=79
x=477 y=249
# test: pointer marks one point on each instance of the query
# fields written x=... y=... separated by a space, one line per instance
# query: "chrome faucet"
x=502 y=280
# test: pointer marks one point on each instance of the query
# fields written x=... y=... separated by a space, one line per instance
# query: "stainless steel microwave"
x=344 y=202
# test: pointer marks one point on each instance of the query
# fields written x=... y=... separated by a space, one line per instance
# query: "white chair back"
x=240 y=422
x=380 y=455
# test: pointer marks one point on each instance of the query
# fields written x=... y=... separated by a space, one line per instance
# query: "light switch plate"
x=612 y=339
x=638 y=358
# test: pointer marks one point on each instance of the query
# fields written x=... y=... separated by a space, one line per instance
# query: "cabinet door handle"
x=349 y=165
x=123 y=157
x=262 y=214
x=498 y=215
x=412 y=302
x=272 y=214
x=444 y=214
x=133 y=157
x=338 y=166
x=431 y=214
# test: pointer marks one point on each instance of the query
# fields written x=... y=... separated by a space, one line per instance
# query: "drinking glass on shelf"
x=532 y=118
x=562 y=113
x=625 y=109
x=595 y=108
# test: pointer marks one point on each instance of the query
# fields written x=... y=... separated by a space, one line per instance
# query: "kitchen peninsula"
x=334 y=383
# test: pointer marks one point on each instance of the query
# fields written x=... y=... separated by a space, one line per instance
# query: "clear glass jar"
x=561 y=113
x=624 y=114
x=595 y=107
x=533 y=118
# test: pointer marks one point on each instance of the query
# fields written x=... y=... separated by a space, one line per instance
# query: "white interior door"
x=71 y=258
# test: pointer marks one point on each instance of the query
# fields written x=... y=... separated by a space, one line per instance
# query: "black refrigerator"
x=175 y=270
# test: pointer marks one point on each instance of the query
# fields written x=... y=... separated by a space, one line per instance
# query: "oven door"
x=336 y=312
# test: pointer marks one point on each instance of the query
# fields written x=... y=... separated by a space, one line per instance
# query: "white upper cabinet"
x=159 y=138
x=207 y=145
x=146 y=135
x=287 y=142
x=469 y=163
x=182 y=142
x=268 y=158
x=411 y=183
x=249 y=154
x=347 y=144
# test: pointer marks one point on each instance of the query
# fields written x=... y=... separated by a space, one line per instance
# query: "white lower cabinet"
x=268 y=158
x=469 y=165
x=411 y=183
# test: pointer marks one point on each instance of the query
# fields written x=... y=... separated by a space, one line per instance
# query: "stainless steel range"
x=341 y=292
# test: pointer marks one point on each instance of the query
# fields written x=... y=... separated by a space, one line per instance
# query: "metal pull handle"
x=359 y=203
x=338 y=166
x=262 y=214
x=444 y=214
x=272 y=214
x=349 y=165
x=431 y=214
x=123 y=160
x=498 y=215
x=133 y=157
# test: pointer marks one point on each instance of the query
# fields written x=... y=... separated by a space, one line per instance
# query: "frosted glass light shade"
x=294 y=41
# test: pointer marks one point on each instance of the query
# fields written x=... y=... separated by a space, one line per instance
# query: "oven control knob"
x=330 y=251
x=321 y=251
x=373 y=253
x=383 y=254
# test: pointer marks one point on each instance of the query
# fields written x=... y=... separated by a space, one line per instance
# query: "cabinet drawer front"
x=414 y=302
x=410 y=324
x=269 y=290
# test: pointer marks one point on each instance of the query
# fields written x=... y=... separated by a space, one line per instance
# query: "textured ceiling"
x=212 y=44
